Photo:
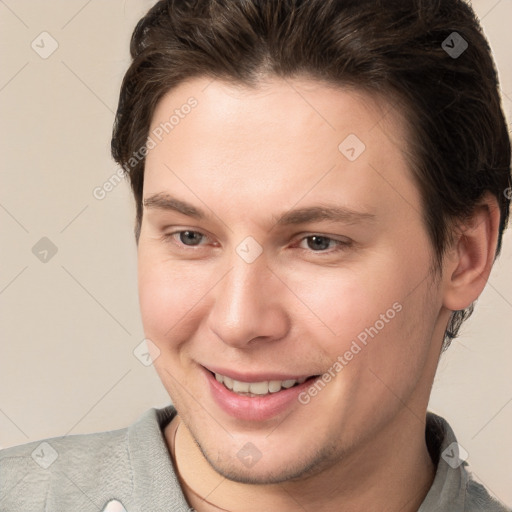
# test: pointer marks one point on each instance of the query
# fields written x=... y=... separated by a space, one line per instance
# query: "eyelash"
x=340 y=244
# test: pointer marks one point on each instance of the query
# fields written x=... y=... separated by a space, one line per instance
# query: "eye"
x=320 y=243
x=186 y=237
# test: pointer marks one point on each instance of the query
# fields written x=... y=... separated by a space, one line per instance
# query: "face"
x=282 y=244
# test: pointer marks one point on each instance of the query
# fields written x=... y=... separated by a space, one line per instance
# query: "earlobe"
x=469 y=262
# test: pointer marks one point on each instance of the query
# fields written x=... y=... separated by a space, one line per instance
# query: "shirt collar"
x=448 y=488
x=155 y=484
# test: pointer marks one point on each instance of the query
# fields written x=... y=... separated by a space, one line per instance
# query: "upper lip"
x=253 y=376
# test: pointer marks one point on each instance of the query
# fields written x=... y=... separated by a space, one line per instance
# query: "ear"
x=469 y=260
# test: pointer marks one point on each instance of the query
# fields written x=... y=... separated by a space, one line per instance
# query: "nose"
x=249 y=305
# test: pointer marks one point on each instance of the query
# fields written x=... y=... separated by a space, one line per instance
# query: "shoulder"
x=478 y=498
x=67 y=464
x=454 y=488
x=83 y=472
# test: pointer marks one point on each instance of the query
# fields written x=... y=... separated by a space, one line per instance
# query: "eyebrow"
x=319 y=213
x=163 y=201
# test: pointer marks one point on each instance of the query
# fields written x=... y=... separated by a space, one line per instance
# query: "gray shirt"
x=132 y=465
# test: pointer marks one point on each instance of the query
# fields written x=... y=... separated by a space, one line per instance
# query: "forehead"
x=282 y=139
x=274 y=101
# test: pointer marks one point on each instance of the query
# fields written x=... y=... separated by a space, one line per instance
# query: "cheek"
x=345 y=303
x=372 y=316
x=169 y=297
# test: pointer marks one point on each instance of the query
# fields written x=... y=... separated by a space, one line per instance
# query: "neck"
x=393 y=470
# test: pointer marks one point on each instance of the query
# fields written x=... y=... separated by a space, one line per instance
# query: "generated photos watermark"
x=357 y=345
x=156 y=136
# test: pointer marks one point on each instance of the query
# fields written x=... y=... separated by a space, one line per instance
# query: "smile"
x=250 y=396
x=257 y=388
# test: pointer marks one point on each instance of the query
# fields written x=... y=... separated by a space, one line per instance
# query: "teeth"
x=257 y=388
x=240 y=387
x=274 y=386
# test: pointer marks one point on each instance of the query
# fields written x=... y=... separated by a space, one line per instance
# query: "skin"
x=246 y=156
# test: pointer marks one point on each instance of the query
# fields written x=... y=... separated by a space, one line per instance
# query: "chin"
x=266 y=472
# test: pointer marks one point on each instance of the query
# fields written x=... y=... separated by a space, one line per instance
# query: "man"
x=321 y=191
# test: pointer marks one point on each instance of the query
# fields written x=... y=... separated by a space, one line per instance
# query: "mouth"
x=259 y=388
x=256 y=397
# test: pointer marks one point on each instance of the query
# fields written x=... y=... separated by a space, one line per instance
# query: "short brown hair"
x=400 y=49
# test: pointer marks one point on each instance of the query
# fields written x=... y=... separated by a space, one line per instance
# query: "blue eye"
x=319 y=243
x=187 y=237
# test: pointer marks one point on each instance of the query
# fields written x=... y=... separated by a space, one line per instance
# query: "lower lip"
x=257 y=408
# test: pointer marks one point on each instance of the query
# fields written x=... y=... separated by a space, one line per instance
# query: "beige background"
x=69 y=326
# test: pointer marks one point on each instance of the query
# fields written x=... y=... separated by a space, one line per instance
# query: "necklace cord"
x=180 y=477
